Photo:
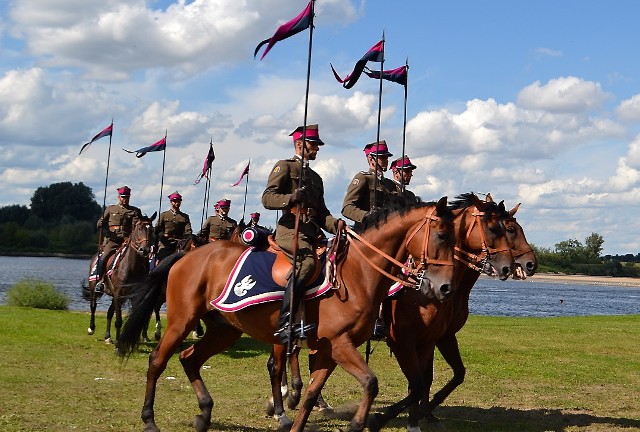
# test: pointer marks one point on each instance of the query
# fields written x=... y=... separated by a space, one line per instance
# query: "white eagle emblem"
x=242 y=287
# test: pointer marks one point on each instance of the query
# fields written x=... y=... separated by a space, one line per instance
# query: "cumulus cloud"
x=629 y=109
x=563 y=95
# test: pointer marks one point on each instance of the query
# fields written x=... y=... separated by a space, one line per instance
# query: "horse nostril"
x=444 y=289
x=506 y=270
x=530 y=265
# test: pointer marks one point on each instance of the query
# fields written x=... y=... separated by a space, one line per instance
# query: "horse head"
x=430 y=243
x=523 y=254
x=482 y=236
x=141 y=237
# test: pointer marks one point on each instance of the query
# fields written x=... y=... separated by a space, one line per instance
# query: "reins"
x=418 y=272
x=138 y=242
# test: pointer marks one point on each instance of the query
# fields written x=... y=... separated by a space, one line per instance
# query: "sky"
x=535 y=102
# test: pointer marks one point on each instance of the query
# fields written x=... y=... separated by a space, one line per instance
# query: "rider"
x=255 y=218
x=220 y=226
x=360 y=200
x=173 y=226
x=296 y=189
x=115 y=225
x=402 y=169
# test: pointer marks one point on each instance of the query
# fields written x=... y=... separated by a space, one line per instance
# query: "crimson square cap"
x=311 y=133
x=124 y=191
x=403 y=163
x=175 y=196
x=377 y=149
x=223 y=203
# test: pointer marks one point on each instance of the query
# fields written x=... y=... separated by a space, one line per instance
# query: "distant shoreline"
x=584 y=279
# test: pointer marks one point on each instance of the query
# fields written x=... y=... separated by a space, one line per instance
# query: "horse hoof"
x=199 y=424
x=284 y=423
x=151 y=427
x=89 y=331
x=270 y=409
x=374 y=424
x=108 y=341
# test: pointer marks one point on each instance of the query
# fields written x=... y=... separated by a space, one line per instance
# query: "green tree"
x=593 y=244
x=14 y=213
x=52 y=203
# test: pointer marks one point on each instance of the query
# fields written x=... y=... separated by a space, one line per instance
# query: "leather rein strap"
x=408 y=270
x=486 y=250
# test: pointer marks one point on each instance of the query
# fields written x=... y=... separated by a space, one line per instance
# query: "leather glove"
x=297 y=197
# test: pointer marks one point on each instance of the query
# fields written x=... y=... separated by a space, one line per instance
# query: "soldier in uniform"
x=402 y=169
x=116 y=225
x=220 y=226
x=255 y=218
x=295 y=189
x=173 y=226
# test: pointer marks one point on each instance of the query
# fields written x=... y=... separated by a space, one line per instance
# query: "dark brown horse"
x=345 y=317
x=414 y=326
x=132 y=266
x=524 y=258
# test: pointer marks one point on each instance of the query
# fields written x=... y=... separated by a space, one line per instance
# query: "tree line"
x=62 y=219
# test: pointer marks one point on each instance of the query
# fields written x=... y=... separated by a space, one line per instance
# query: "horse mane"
x=399 y=207
x=467 y=200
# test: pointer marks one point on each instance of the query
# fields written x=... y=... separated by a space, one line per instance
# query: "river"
x=528 y=298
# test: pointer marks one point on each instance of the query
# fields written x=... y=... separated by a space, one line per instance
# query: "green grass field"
x=523 y=374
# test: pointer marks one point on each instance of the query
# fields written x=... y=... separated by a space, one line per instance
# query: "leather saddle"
x=282 y=267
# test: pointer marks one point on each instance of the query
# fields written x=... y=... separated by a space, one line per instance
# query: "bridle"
x=482 y=263
x=518 y=252
x=139 y=243
x=409 y=271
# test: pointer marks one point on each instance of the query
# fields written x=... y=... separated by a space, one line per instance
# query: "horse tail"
x=145 y=295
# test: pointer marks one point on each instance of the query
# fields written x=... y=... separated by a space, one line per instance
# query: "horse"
x=345 y=316
x=525 y=259
x=415 y=327
x=132 y=266
x=187 y=245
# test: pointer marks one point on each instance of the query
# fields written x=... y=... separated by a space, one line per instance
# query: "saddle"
x=282 y=267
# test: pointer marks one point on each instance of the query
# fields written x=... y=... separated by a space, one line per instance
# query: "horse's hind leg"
x=158 y=333
x=218 y=336
x=93 y=305
x=276 y=366
x=107 y=334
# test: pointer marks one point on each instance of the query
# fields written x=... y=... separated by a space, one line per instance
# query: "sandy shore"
x=590 y=280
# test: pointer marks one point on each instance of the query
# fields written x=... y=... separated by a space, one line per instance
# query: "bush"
x=37 y=294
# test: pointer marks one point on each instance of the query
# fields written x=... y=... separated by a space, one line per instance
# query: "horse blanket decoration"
x=251 y=283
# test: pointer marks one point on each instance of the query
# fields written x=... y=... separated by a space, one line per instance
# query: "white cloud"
x=563 y=95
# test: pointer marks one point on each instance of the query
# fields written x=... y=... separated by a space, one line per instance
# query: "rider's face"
x=383 y=162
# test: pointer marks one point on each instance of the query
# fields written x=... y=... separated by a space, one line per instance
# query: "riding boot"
x=287 y=309
x=99 y=288
x=321 y=404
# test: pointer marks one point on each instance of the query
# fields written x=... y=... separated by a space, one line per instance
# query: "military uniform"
x=116 y=223
x=172 y=227
x=360 y=197
x=218 y=228
x=283 y=180
x=409 y=196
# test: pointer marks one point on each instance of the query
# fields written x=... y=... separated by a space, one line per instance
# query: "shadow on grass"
x=242 y=348
x=495 y=419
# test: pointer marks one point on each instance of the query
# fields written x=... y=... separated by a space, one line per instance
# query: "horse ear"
x=514 y=210
x=489 y=198
x=501 y=207
x=477 y=202
x=153 y=216
x=442 y=202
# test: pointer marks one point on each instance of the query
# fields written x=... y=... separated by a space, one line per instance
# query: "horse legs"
x=409 y=362
x=217 y=337
x=107 y=334
x=276 y=365
x=158 y=333
x=296 y=379
x=448 y=347
x=93 y=305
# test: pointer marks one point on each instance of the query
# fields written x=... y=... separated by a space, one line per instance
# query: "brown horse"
x=414 y=327
x=187 y=245
x=132 y=266
x=345 y=316
x=524 y=258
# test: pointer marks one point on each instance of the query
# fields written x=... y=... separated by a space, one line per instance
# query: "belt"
x=114 y=227
x=302 y=211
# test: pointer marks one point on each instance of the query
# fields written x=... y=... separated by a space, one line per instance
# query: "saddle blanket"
x=94 y=270
x=250 y=283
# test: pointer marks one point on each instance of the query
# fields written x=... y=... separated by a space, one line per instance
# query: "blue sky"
x=537 y=103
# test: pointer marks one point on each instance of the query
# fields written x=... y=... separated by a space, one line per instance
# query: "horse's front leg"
x=448 y=347
x=296 y=379
x=118 y=310
x=158 y=333
x=93 y=305
x=276 y=366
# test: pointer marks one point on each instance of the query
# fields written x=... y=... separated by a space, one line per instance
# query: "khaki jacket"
x=360 y=196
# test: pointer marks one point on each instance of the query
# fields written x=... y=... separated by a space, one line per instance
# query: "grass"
x=523 y=374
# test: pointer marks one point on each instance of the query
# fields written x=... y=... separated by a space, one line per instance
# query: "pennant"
x=295 y=26
x=375 y=54
x=157 y=146
x=397 y=75
x=206 y=167
x=105 y=132
x=244 y=173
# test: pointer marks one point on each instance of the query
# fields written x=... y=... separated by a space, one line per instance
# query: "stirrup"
x=379 y=330
x=99 y=288
x=298 y=331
